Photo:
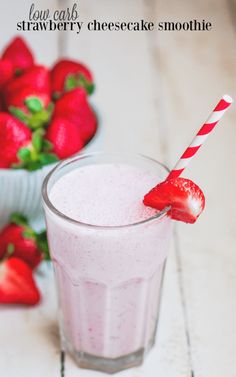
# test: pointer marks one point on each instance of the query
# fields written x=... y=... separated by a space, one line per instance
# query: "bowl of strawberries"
x=45 y=116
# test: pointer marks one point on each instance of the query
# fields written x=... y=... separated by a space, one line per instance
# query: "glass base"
x=107 y=365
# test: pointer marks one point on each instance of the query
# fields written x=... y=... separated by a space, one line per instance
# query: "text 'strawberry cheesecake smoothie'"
x=109 y=272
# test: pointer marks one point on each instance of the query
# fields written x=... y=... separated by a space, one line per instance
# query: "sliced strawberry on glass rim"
x=185 y=198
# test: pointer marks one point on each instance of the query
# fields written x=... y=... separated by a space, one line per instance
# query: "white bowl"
x=20 y=190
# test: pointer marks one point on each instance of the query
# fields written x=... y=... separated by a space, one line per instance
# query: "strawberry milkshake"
x=109 y=252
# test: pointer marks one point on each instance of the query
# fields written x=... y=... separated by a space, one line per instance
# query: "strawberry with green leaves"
x=20 y=148
x=19 y=55
x=14 y=135
x=37 y=154
x=74 y=107
x=34 y=82
x=28 y=97
x=68 y=74
x=18 y=239
x=20 y=99
x=17 y=285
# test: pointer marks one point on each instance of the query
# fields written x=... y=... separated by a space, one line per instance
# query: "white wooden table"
x=153 y=90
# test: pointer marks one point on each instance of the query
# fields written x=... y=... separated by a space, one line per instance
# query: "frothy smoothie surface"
x=105 y=194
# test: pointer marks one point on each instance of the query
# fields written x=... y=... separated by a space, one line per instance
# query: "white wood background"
x=153 y=90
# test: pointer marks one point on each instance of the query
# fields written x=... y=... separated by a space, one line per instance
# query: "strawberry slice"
x=17 y=284
x=185 y=198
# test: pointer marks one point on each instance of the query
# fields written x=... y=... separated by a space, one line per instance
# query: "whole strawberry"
x=20 y=98
x=19 y=54
x=65 y=137
x=17 y=285
x=74 y=107
x=13 y=237
x=6 y=71
x=34 y=82
x=18 y=239
x=68 y=74
x=14 y=135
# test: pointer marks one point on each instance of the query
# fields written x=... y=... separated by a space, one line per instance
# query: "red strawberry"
x=6 y=71
x=1 y=103
x=68 y=74
x=13 y=136
x=23 y=247
x=74 y=107
x=17 y=285
x=19 y=54
x=65 y=137
x=34 y=82
x=186 y=199
x=18 y=99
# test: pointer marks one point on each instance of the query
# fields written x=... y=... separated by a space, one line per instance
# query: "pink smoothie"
x=109 y=279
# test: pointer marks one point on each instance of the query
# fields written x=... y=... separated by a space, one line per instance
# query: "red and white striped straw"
x=201 y=136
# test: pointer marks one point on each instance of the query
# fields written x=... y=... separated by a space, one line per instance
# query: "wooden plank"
x=197 y=68
x=127 y=98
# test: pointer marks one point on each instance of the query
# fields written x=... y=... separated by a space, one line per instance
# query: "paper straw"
x=201 y=136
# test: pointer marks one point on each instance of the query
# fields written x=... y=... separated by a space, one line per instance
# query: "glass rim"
x=80 y=156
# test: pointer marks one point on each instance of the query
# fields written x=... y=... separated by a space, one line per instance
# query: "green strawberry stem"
x=18 y=219
x=41 y=239
x=9 y=252
x=34 y=105
x=38 y=117
x=18 y=72
x=10 y=249
x=37 y=154
x=19 y=114
x=77 y=81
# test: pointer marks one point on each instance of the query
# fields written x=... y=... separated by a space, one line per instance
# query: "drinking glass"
x=109 y=278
